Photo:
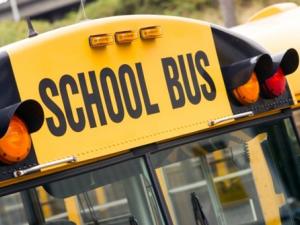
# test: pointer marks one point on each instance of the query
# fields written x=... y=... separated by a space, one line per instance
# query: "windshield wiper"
x=133 y=221
x=198 y=212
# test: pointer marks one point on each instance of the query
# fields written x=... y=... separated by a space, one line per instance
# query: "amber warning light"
x=249 y=92
x=16 y=143
x=16 y=123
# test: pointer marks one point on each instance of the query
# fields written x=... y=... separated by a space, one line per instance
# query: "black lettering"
x=65 y=81
x=209 y=95
x=173 y=82
x=92 y=98
x=61 y=128
x=125 y=70
x=150 y=108
x=105 y=75
x=194 y=99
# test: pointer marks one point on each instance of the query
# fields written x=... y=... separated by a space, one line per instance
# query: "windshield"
x=242 y=177
x=245 y=177
x=121 y=194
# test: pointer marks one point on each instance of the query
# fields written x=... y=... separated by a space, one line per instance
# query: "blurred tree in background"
x=227 y=8
x=215 y=11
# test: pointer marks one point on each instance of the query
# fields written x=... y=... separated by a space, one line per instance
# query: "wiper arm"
x=198 y=212
x=133 y=220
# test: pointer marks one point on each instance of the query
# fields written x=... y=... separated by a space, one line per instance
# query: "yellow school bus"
x=152 y=120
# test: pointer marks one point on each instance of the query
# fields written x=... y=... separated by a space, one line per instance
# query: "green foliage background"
x=11 y=31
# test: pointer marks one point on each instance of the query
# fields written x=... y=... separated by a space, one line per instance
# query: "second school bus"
x=151 y=120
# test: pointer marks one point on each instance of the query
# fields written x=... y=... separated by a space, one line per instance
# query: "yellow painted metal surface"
x=73 y=210
x=273 y=10
x=277 y=33
x=164 y=188
x=270 y=201
x=44 y=200
x=101 y=195
x=61 y=58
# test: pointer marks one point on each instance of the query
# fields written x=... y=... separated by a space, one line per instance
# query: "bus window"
x=231 y=179
x=12 y=210
x=296 y=115
x=115 y=195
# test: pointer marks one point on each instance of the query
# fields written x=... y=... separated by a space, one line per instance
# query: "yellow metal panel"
x=73 y=210
x=67 y=51
x=270 y=201
x=273 y=10
x=44 y=200
x=100 y=195
x=165 y=191
x=221 y=167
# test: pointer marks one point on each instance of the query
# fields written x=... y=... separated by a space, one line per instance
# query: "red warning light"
x=275 y=85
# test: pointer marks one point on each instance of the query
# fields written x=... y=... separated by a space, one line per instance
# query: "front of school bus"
x=150 y=120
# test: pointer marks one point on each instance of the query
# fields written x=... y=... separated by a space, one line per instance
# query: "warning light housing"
x=242 y=78
x=260 y=76
x=16 y=123
x=283 y=65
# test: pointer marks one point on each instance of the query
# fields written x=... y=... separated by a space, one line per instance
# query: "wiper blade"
x=133 y=220
x=198 y=212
